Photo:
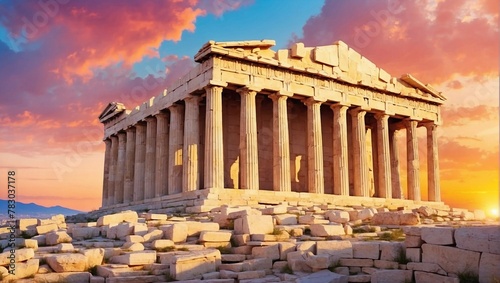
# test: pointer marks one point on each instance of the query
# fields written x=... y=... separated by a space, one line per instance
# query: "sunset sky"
x=62 y=61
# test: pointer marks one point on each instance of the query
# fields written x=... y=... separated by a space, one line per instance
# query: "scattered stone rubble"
x=281 y=243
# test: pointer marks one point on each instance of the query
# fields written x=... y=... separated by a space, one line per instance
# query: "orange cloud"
x=432 y=42
x=464 y=115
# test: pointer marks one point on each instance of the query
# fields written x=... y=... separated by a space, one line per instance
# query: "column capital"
x=357 y=110
x=194 y=98
x=214 y=83
x=409 y=121
x=340 y=106
x=281 y=93
x=175 y=107
x=313 y=100
x=248 y=90
x=150 y=118
x=381 y=116
x=130 y=129
x=161 y=114
x=430 y=125
x=214 y=87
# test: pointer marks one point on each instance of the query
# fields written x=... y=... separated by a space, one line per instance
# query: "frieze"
x=289 y=76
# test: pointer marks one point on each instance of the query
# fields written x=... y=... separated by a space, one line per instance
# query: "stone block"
x=385 y=264
x=256 y=224
x=27 y=223
x=312 y=219
x=134 y=239
x=67 y=262
x=215 y=236
x=489 y=270
x=338 y=216
x=326 y=55
x=125 y=216
x=44 y=229
x=194 y=228
x=156 y=216
x=240 y=240
x=194 y=265
x=23 y=270
x=317 y=262
x=73 y=277
x=479 y=214
x=425 y=266
x=64 y=248
x=360 y=278
x=391 y=276
x=271 y=252
x=320 y=230
x=153 y=235
x=390 y=250
x=324 y=276
x=369 y=250
x=132 y=247
x=140 y=229
x=306 y=246
x=413 y=254
x=285 y=248
x=336 y=249
x=366 y=213
x=426 y=211
x=481 y=239
x=83 y=233
x=135 y=258
x=298 y=50
x=361 y=262
x=54 y=238
x=162 y=244
x=412 y=241
x=20 y=255
x=273 y=210
x=258 y=264
x=424 y=277
x=232 y=257
x=438 y=235
x=286 y=219
x=176 y=232
x=94 y=257
x=251 y=275
x=446 y=257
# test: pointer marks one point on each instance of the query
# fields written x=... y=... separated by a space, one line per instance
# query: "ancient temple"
x=250 y=125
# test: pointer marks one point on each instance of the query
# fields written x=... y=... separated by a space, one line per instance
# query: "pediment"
x=113 y=109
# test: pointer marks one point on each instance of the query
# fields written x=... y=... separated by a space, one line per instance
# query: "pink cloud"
x=456 y=37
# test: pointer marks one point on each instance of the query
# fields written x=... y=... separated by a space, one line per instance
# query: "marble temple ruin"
x=249 y=125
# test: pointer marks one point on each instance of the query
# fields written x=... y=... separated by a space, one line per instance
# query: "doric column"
x=191 y=155
x=214 y=159
x=434 y=187
x=249 y=162
x=384 y=159
x=360 y=166
x=128 y=183
x=340 y=154
x=149 y=171
x=396 y=182
x=315 y=177
x=161 y=166
x=107 y=164
x=140 y=158
x=120 y=168
x=112 y=170
x=176 y=139
x=413 y=162
x=281 y=144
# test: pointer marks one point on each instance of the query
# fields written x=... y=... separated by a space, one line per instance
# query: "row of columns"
x=155 y=157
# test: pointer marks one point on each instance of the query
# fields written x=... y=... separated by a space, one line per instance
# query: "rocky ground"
x=280 y=243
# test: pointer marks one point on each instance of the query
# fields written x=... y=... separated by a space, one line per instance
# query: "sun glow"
x=494 y=212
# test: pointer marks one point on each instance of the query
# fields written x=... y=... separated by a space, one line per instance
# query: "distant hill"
x=26 y=210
